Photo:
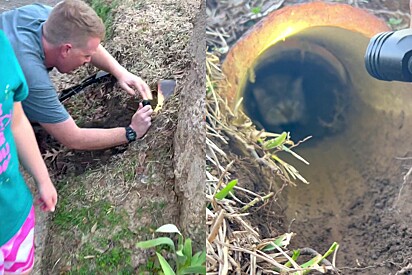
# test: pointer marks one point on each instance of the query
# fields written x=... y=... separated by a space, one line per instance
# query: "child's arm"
x=31 y=159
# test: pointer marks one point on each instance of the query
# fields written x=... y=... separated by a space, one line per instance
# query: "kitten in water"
x=280 y=99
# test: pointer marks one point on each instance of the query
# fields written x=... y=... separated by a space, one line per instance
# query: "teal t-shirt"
x=15 y=197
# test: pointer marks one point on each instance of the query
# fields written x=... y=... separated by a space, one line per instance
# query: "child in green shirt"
x=17 y=142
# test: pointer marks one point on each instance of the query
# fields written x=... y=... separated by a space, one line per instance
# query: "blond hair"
x=73 y=21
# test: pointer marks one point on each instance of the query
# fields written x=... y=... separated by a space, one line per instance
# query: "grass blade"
x=225 y=191
x=167 y=269
x=194 y=270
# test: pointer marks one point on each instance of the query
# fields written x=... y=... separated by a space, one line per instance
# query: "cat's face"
x=280 y=100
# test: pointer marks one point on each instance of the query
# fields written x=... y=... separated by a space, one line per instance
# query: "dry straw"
x=234 y=243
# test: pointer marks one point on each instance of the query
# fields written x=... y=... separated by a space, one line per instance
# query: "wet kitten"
x=280 y=100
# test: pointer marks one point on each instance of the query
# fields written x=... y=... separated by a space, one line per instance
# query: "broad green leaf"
x=180 y=242
x=275 y=142
x=198 y=259
x=194 y=270
x=156 y=242
x=165 y=265
x=168 y=228
x=182 y=259
x=223 y=193
x=187 y=250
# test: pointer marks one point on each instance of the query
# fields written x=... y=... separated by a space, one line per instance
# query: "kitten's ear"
x=296 y=85
x=259 y=93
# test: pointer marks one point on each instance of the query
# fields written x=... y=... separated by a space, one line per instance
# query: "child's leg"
x=17 y=255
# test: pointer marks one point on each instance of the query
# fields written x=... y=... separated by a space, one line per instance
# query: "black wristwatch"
x=130 y=134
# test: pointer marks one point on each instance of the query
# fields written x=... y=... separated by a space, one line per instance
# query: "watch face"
x=130 y=134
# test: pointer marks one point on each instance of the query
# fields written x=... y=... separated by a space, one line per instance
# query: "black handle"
x=99 y=77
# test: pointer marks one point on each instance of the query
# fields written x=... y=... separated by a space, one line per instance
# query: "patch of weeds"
x=106 y=239
x=115 y=259
x=173 y=258
x=105 y=10
x=73 y=212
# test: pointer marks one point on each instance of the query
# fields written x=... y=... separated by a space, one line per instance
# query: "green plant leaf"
x=199 y=258
x=225 y=191
x=394 y=21
x=317 y=259
x=180 y=243
x=295 y=256
x=187 y=251
x=275 y=142
x=255 y=10
x=165 y=265
x=168 y=228
x=312 y=262
x=194 y=270
x=182 y=259
x=156 y=242
x=281 y=241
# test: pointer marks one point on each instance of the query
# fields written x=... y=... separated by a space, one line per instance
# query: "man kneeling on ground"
x=66 y=37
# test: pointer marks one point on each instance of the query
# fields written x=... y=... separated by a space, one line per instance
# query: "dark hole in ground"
x=66 y=161
x=107 y=112
x=297 y=91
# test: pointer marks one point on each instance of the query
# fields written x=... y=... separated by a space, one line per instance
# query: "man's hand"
x=128 y=81
x=141 y=120
x=47 y=196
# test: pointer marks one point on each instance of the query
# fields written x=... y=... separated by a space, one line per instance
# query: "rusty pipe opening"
x=301 y=68
x=291 y=79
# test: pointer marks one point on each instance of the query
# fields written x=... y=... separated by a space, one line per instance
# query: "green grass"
x=77 y=214
x=99 y=234
x=106 y=238
x=104 y=9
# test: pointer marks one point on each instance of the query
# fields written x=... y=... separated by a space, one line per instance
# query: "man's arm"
x=74 y=137
x=104 y=61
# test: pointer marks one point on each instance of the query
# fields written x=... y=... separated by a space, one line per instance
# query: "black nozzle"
x=388 y=56
x=146 y=102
